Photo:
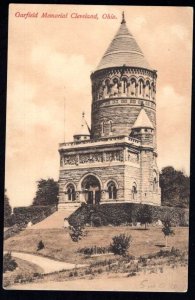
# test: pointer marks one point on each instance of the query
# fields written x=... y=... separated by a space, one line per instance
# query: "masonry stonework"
x=115 y=160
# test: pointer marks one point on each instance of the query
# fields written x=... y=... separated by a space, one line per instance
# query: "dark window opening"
x=71 y=192
x=112 y=190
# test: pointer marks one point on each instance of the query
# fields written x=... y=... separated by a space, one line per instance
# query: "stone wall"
x=122 y=118
x=132 y=178
x=132 y=172
x=103 y=174
x=150 y=191
x=121 y=103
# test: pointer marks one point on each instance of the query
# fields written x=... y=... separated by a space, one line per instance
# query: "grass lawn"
x=58 y=244
x=24 y=271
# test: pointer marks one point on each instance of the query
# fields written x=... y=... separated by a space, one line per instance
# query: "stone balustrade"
x=101 y=141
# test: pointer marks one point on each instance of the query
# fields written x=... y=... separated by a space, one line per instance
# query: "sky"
x=49 y=67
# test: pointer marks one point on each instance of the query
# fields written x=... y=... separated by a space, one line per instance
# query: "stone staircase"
x=56 y=220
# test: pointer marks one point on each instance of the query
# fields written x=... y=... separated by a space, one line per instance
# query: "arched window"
x=132 y=87
x=100 y=90
x=103 y=127
x=134 y=190
x=110 y=126
x=61 y=161
x=141 y=88
x=112 y=190
x=152 y=90
x=147 y=89
x=71 y=192
x=124 y=85
x=107 y=87
x=115 y=87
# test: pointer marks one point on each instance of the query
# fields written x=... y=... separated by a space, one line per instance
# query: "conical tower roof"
x=84 y=127
x=142 y=121
x=123 y=50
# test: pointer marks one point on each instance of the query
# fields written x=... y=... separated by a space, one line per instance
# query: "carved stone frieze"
x=70 y=160
x=86 y=158
x=90 y=158
x=133 y=157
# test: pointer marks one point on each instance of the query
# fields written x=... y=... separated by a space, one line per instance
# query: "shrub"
x=94 y=250
x=71 y=274
x=35 y=214
x=96 y=221
x=167 y=230
x=100 y=271
x=9 y=264
x=132 y=274
x=18 y=278
x=37 y=275
x=40 y=245
x=166 y=253
x=88 y=271
x=76 y=232
x=144 y=215
x=102 y=263
x=7 y=211
x=120 y=244
x=120 y=213
x=176 y=252
x=12 y=231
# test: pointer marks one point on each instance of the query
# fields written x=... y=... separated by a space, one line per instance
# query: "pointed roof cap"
x=142 y=120
x=84 y=127
x=123 y=51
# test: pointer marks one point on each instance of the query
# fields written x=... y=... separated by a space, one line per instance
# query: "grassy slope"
x=58 y=244
x=25 y=270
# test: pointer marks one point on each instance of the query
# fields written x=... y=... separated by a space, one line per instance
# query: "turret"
x=84 y=133
x=143 y=129
x=121 y=82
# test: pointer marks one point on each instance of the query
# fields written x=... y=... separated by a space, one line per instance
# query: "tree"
x=9 y=264
x=175 y=187
x=7 y=210
x=120 y=244
x=144 y=215
x=76 y=233
x=47 y=192
x=40 y=245
x=167 y=230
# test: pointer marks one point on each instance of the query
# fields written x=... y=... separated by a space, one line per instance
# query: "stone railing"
x=100 y=141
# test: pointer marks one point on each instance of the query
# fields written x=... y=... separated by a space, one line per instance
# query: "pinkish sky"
x=50 y=59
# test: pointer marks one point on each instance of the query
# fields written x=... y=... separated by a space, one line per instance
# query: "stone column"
x=136 y=89
x=105 y=197
x=128 y=89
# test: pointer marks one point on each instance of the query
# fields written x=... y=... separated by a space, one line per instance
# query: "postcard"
x=97 y=181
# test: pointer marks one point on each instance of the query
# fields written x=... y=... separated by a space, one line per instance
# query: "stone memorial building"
x=115 y=159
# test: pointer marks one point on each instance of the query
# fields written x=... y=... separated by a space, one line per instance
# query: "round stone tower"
x=121 y=84
x=115 y=160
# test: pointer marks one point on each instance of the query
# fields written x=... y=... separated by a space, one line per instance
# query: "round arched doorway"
x=91 y=189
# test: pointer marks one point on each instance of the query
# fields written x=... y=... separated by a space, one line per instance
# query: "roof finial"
x=83 y=119
x=123 y=18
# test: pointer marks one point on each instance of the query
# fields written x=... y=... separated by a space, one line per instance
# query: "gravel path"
x=171 y=280
x=48 y=265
